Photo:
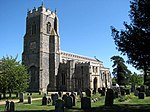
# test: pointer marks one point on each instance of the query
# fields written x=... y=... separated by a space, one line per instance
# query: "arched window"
x=33 y=29
x=48 y=26
x=32 y=72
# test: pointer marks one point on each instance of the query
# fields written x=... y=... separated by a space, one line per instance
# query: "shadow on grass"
x=114 y=108
x=122 y=108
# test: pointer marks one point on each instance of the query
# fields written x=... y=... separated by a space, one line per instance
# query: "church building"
x=52 y=69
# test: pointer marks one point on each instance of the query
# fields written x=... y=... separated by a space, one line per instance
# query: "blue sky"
x=84 y=26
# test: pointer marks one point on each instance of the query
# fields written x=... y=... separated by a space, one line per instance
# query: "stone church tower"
x=41 y=52
x=50 y=68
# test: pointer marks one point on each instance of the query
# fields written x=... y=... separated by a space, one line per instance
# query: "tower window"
x=33 y=29
x=48 y=27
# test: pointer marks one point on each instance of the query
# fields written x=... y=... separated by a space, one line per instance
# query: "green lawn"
x=37 y=105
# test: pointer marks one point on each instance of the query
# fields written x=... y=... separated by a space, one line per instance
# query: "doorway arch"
x=95 y=83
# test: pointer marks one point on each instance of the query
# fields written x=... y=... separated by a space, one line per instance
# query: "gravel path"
x=15 y=101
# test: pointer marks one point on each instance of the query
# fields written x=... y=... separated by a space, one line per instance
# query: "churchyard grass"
x=37 y=105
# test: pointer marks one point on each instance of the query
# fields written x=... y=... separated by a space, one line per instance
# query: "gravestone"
x=94 y=91
x=147 y=92
x=59 y=107
x=64 y=97
x=85 y=103
x=141 y=95
x=103 y=92
x=142 y=88
x=44 y=100
x=59 y=93
x=109 y=99
x=21 y=97
x=12 y=106
x=54 y=97
x=116 y=94
x=127 y=91
x=136 y=92
x=69 y=102
x=7 y=106
x=0 y=96
x=48 y=100
x=73 y=99
x=122 y=92
x=99 y=90
x=88 y=92
x=29 y=99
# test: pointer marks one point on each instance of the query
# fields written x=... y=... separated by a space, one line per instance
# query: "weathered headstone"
x=59 y=93
x=48 y=100
x=7 y=106
x=109 y=97
x=136 y=92
x=29 y=99
x=44 y=100
x=99 y=90
x=127 y=91
x=54 y=97
x=147 y=92
x=116 y=94
x=12 y=106
x=122 y=92
x=103 y=91
x=64 y=97
x=142 y=88
x=85 y=103
x=0 y=96
x=88 y=92
x=69 y=102
x=59 y=107
x=94 y=91
x=73 y=99
x=141 y=95
x=21 y=97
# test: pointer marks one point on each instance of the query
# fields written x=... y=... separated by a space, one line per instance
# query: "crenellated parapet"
x=41 y=10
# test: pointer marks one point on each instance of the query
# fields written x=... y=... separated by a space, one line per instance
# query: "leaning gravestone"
x=142 y=88
x=73 y=99
x=109 y=97
x=7 y=106
x=141 y=95
x=29 y=99
x=136 y=92
x=12 y=106
x=88 y=92
x=44 y=100
x=64 y=97
x=68 y=103
x=59 y=107
x=85 y=103
x=54 y=97
x=21 y=97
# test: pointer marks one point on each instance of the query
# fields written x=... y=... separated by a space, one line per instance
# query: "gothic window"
x=33 y=29
x=48 y=26
x=32 y=72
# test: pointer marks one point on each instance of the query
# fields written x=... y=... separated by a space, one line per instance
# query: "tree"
x=136 y=79
x=120 y=71
x=13 y=76
x=134 y=41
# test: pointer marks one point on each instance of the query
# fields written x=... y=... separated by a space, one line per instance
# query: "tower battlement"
x=40 y=10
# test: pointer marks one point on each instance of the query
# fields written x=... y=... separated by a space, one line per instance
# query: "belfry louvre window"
x=33 y=29
x=48 y=27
